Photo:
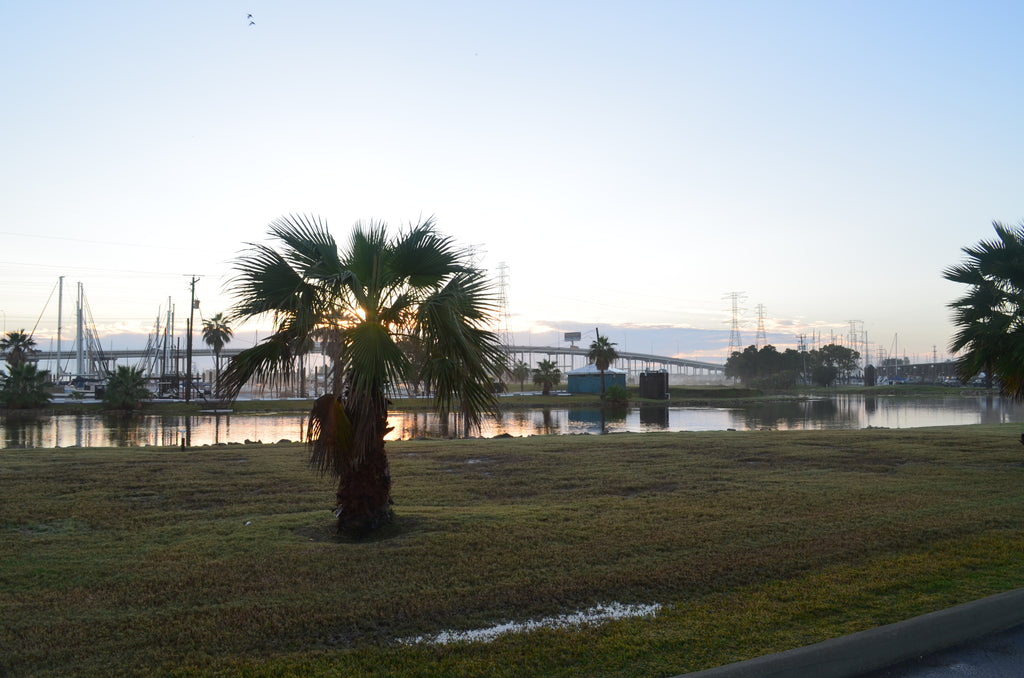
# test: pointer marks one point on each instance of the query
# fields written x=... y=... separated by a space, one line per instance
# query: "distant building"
x=587 y=379
x=654 y=384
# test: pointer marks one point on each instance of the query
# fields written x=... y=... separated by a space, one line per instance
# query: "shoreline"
x=678 y=397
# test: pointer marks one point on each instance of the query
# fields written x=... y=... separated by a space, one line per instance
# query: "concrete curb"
x=878 y=648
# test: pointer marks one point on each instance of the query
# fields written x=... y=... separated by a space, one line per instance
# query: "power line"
x=87 y=268
x=160 y=246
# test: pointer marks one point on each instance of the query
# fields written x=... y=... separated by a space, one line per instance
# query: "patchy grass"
x=223 y=560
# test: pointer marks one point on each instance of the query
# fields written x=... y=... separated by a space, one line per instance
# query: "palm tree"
x=547 y=375
x=602 y=354
x=25 y=387
x=18 y=347
x=126 y=389
x=217 y=333
x=990 y=316
x=521 y=372
x=380 y=289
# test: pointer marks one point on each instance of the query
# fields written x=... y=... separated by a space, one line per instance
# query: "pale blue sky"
x=631 y=163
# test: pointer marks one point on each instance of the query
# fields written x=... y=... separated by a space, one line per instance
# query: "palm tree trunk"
x=335 y=375
x=216 y=384
x=364 y=491
x=364 y=495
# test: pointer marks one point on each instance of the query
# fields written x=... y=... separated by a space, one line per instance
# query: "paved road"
x=998 y=656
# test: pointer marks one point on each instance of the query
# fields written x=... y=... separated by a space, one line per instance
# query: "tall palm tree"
x=382 y=288
x=216 y=334
x=602 y=354
x=547 y=375
x=18 y=347
x=990 y=315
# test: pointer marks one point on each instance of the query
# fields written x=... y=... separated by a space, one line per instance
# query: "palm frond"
x=266 y=283
x=1007 y=366
x=464 y=357
x=330 y=437
x=308 y=246
x=374 y=358
x=400 y=308
x=990 y=315
x=965 y=273
x=265 y=360
x=367 y=246
x=425 y=257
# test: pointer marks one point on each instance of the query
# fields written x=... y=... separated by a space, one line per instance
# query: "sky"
x=629 y=166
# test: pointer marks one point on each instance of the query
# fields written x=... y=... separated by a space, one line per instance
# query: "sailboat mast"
x=60 y=317
x=79 y=337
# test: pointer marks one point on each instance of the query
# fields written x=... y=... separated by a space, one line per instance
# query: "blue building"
x=587 y=379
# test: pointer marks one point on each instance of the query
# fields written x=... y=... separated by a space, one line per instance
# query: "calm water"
x=840 y=412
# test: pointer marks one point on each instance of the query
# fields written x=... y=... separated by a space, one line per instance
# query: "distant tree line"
x=768 y=368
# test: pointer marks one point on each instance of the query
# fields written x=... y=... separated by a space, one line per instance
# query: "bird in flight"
x=251 y=22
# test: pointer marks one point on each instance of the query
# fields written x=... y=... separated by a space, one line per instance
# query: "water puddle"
x=593 y=615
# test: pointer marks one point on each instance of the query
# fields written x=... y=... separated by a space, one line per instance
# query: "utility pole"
x=188 y=343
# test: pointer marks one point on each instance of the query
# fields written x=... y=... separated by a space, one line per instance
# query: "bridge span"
x=567 y=358
x=571 y=357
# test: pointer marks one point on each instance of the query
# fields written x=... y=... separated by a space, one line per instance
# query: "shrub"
x=126 y=389
x=616 y=395
x=25 y=387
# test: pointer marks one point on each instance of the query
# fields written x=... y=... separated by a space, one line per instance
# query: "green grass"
x=224 y=562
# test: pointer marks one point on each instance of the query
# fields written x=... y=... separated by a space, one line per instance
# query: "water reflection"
x=795 y=415
x=25 y=431
x=870 y=405
x=654 y=416
x=847 y=412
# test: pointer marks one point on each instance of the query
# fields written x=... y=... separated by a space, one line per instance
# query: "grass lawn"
x=223 y=561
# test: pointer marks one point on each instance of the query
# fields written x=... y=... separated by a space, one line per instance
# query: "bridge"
x=567 y=358
x=632 y=363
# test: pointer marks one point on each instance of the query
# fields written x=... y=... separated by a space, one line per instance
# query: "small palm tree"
x=547 y=375
x=367 y=298
x=18 y=347
x=602 y=354
x=990 y=316
x=126 y=389
x=216 y=334
x=25 y=387
x=521 y=372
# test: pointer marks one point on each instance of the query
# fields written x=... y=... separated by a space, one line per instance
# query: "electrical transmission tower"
x=506 y=333
x=855 y=339
x=761 y=338
x=735 y=340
